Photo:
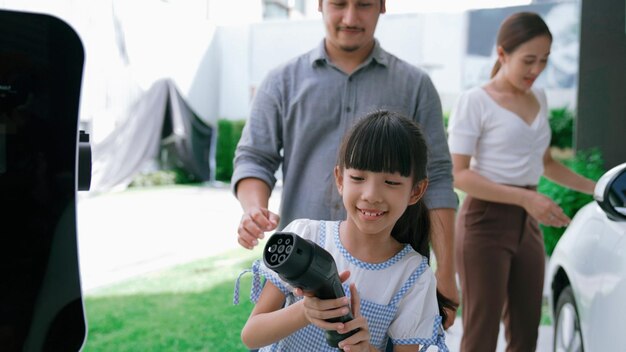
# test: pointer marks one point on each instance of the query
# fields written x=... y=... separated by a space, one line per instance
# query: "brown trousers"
x=500 y=259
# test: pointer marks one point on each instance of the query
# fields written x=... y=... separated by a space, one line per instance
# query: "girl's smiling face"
x=374 y=201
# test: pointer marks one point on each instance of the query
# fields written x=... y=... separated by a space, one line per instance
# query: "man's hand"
x=254 y=223
x=447 y=287
x=254 y=194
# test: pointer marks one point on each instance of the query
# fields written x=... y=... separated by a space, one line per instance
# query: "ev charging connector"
x=304 y=264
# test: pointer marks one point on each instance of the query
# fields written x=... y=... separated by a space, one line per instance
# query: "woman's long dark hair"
x=516 y=30
x=386 y=141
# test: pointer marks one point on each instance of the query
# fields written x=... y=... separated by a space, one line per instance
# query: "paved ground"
x=453 y=338
x=129 y=233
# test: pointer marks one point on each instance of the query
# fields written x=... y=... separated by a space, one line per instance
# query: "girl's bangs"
x=380 y=149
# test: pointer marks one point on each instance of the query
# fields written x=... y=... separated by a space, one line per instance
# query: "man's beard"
x=349 y=48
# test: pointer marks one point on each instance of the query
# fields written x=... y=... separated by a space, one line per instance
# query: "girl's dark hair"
x=389 y=142
x=385 y=141
x=516 y=30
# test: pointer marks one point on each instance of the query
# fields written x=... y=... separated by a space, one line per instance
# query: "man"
x=301 y=111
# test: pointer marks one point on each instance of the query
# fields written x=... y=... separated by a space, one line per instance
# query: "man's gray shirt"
x=302 y=110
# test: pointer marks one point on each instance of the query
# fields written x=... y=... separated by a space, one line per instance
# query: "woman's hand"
x=544 y=210
x=360 y=341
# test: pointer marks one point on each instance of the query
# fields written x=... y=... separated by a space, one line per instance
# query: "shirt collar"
x=319 y=55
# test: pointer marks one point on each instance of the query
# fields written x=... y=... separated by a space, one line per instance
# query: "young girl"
x=381 y=247
x=499 y=139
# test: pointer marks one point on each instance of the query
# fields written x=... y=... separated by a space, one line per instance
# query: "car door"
x=607 y=324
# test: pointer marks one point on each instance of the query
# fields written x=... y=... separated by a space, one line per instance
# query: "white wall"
x=234 y=83
x=177 y=42
x=433 y=42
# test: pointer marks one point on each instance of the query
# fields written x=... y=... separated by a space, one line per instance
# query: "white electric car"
x=587 y=272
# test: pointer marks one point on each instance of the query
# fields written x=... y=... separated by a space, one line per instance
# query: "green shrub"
x=228 y=135
x=562 y=125
x=586 y=163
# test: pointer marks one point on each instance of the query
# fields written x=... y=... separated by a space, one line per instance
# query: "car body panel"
x=592 y=254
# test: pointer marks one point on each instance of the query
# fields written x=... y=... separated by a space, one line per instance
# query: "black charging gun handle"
x=333 y=289
x=332 y=336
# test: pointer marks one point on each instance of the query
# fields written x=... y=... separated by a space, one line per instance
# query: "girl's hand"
x=544 y=210
x=361 y=340
x=316 y=310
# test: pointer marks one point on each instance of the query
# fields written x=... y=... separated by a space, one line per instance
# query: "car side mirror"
x=610 y=193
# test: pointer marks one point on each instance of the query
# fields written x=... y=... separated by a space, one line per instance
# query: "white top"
x=417 y=311
x=504 y=148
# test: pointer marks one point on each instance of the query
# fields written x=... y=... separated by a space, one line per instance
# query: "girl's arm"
x=269 y=322
x=560 y=174
x=537 y=205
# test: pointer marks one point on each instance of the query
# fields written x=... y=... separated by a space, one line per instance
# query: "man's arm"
x=440 y=197
x=442 y=239
x=257 y=158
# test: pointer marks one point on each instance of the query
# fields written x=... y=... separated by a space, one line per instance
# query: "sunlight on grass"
x=197 y=276
x=185 y=308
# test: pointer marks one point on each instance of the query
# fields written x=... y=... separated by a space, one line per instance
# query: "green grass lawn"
x=186 y=308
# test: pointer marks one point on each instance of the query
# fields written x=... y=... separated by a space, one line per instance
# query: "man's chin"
x=349 y=48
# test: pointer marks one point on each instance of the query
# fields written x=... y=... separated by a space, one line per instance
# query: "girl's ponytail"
x=413 y=228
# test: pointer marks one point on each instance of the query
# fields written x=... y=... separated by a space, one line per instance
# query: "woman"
x=499 y=139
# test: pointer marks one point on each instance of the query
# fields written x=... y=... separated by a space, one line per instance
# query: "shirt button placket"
x=349 y=96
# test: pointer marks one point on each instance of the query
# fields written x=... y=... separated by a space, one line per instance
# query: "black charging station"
x=41 y=151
